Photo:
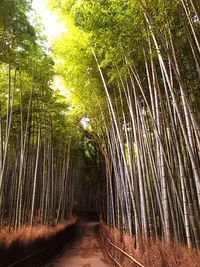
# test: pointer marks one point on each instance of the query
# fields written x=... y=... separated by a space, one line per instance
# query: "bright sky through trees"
x=52 y=27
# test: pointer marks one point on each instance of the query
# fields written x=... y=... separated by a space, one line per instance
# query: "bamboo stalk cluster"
x=146 y=121
x=151 y=147
x=35 y=168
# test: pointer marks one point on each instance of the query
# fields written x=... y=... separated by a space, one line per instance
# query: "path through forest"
x=85 y=251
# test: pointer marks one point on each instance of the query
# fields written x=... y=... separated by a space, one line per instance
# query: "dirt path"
x=85 y=251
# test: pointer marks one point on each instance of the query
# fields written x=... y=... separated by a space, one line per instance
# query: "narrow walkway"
x=85 y=251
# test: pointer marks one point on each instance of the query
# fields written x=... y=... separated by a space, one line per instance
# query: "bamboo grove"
x=135 y=67
x=35 y=134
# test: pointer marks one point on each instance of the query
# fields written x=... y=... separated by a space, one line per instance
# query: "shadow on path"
x=84 y=251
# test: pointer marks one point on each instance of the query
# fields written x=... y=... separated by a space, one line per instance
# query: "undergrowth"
x=18 y=244
x=152 y=252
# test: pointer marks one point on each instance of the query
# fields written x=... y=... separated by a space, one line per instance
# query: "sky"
x=52 y=28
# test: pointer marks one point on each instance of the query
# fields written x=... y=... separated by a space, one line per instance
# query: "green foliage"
x=79 y=73
x=22 y=51
x=16 y=33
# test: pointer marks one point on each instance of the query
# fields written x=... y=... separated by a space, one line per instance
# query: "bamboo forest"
x=100 y=133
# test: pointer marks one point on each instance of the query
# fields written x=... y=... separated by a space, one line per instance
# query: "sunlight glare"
x=52 y=27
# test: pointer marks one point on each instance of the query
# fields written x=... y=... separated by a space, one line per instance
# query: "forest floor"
x=85 y=251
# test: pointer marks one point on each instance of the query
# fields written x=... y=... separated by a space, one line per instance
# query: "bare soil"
x=85 y=251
